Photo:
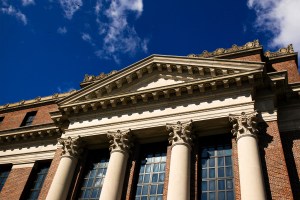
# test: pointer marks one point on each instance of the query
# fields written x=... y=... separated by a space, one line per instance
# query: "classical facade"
x=216 y=125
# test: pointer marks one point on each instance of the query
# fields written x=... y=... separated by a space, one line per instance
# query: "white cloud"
x=119 y=35
x=62 y=30
x=86 y=37
x=70 y=7
x=98 y=7
x=281 y=18
x=28 y=2
x=10 y=10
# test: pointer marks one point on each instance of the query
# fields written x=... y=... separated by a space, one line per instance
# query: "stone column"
x=120 y=143
x=71 y=148
x=179 y=176
x=250 y=171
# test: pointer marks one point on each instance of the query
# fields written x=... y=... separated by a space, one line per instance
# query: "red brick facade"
x=14 y=119
x=15 y=183
x=277 y=181
x=50 y=175
x=290 y=66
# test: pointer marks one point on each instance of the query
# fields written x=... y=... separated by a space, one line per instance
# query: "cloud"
x=119 y=36
x=279 y=17
x=70 y=7
x=10 y=10
x=86 y=37
x=62 y=30
x=28 y=2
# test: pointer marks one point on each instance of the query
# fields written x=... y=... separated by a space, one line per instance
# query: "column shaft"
x=179 y=175
x=114 y=179
x=250 y=171
x=62 y=179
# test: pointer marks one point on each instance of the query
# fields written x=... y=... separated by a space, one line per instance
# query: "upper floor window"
x=29 y=118
x=37 y=179
x=151 y=176
x=94 y=174
x=4 y=172
x=1 y=119
x=217 y=174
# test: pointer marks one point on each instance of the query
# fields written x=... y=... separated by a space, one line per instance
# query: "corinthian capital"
x=120 y=140
x=71 y=146
x=244 y=124
x=180 y=133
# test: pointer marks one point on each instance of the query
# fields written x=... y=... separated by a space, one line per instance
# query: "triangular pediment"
x=160 y=73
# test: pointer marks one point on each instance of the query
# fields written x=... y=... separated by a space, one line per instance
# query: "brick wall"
x=14 y=119
x=50 y=175
x=15 y=183
x=254 y=57
x=168 y=161
x=291 y=67
x=235 y=167
x=291 y=147
x=277 y=181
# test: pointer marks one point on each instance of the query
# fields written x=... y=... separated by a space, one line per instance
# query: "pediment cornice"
x=209 y=68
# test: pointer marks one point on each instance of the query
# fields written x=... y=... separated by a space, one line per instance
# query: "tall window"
x=4 y=172
x=29 y=118
x=37 y=180
x=151 y=176
x=94 y=174
x=1 y=119
x=217 y=175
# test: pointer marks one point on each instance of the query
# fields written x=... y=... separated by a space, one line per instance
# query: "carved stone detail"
x=234 y=48
x=180 y=133
x=120 y=140
x=244 y=124
x=282 y=51
x=71 y=146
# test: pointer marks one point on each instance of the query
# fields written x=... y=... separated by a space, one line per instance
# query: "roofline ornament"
x=221 y=51
x=90 y=78
x=282 y=51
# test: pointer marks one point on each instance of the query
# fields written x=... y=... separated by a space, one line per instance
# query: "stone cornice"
x=29 y=133
x=249 y=46
x=34 y=102
x=198 y=86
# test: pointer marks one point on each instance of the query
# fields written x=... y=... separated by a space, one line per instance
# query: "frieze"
x=180 y=133
x=221 y=51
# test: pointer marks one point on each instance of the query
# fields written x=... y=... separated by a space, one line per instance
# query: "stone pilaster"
x=251 y=177
x=120 y=144
x=71 y=149
x=180 y=137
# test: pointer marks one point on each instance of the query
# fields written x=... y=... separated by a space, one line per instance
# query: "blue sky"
x=47 y=46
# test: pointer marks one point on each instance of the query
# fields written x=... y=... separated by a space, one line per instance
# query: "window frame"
x=28 y=119
x=6 y=169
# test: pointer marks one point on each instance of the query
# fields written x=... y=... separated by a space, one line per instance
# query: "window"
x=4 y=172
x=151 y=176
x=36 y=180
x=1 y=119
x=94 y=174
x=217 y=174
x=29 y=118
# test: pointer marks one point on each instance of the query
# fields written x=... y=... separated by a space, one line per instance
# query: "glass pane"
x=204 y=185
x=212 y=162
x=229 y=184
x=221 y=185
x=147 y=178
x=153 y=189
x=204 y=173
x=138 y=190
x=221 y=195
x=148 y=168
x=160 y=189
x=154 y=178
x=204 y=163
x=212 y=196
x=228 y=171
x=161 y=177
x=145 y=189
x=155 y=167
x=221 y=172
x=230 y=195
x=204 y=196
x=228 y=160
x=211 y=185
x=212 y=173
x=162 y=167
x=220 y=161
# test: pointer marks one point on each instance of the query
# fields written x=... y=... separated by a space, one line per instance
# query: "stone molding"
x=244 y=124
x=71 y=147
x=120 y=140
x=289 y=50
x=180 y=133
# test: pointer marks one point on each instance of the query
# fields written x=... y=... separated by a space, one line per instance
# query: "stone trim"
x=286 y=51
